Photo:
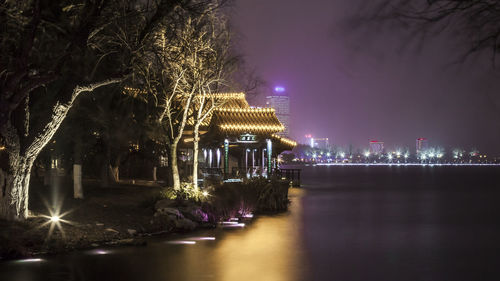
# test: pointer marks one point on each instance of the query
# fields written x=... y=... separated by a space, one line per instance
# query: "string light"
x=247 y=110
x=285 y=140
x=251 y=127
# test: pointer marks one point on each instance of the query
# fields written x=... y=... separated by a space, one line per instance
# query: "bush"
x=251 y=196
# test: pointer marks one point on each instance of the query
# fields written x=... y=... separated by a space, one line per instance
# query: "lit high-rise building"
x=281 y=104
x=421 y=145
x=321 y=143
x=376 y=147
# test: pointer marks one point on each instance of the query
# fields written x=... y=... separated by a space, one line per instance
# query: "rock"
x=164 y=203
x=111 y=230
x=99 y=224
x=194 y=213
x=169 y=211
x=132 y=231
x=185 y=224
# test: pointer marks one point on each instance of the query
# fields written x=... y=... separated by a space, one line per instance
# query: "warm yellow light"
x=276 y=128
x=54 y=218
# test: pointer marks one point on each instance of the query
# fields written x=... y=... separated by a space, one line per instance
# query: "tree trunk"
x=114 y=172
x=174 y=166
x=196 y=141
x=16 y=161
x=155 y=179
x=77 y=170
x=77 y=181
x=14 y=188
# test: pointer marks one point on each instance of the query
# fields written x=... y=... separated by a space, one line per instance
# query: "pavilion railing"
x=290 y=175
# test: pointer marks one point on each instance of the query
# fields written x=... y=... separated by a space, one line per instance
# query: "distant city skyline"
x=355 y=87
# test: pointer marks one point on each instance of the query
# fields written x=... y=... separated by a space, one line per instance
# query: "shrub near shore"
x=220 y=202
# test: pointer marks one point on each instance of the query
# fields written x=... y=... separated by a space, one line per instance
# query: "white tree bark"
x=174 y=166
x=77 y=181
x=15 y=195
x=195 y=155
x=155 y=179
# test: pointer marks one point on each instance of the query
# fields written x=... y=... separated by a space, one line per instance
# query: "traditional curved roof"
x=219 y=100
x=287 y=143
x=247 y=120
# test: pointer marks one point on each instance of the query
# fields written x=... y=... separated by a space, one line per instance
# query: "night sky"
x=354 y=85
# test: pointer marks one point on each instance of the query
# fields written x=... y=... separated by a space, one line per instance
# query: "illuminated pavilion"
x=238 y=140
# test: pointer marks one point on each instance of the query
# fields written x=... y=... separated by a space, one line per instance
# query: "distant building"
x=321 y=143
x=376 y=147
x=281 y=104
x=421 y=145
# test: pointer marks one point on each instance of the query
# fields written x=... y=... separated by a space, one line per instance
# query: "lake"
x=345 y=223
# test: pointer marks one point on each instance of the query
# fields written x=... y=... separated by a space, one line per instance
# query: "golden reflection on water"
x=269 y=249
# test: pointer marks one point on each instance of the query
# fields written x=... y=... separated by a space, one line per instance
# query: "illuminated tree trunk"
x=77 y=181
x=196 y=141
x=16 y=161
x=14 y=188
x=77 y=171
x=174 y=166
x=155 y=179
x=114 y=173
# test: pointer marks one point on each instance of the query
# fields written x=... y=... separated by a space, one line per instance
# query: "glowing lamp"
x=279 y=89
x=54 y=218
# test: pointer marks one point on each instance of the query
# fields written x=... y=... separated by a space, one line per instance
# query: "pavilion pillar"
x=246 y=160
x=263 y=162
x=269 y=157
x=210 y=158
x=218 y=158
x=226 y=157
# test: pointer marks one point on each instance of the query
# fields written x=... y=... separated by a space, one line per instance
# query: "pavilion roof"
x=247 y=120
x=220 y=100
x=287 y=143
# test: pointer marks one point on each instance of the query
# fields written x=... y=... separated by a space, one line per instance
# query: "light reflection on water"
x=270 y=248
x=348 y=223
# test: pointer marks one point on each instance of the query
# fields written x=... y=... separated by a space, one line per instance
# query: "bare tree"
x=182 y=65
x=215 y=66
x=476 y=22
x=50 y=53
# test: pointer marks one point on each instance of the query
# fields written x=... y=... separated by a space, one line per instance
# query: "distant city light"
x=279 y=89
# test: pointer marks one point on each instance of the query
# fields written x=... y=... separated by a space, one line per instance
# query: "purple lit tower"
x=281 y=104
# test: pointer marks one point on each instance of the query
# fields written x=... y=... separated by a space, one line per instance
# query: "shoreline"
x=121 y=215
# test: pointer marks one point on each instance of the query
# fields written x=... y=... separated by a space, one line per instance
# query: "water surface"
x=346 y=223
